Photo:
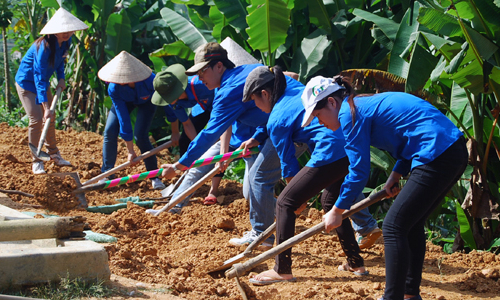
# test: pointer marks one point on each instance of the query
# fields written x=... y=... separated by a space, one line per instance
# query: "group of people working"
x=254 y=105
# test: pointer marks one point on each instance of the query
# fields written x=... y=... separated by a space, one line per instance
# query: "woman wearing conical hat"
x=44 y=57
x=131 y=87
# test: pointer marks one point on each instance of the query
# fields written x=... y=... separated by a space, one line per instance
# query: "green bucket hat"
x=169 y=84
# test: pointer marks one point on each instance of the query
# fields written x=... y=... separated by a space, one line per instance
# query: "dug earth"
x=173 y=253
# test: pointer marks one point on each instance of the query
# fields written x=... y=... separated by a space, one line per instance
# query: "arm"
x=40 y=66
x=60 y=75
x=358 y=151
x=189 y=129
x=176 y=135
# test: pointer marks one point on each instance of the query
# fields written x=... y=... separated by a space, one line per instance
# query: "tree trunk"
x=6 y=68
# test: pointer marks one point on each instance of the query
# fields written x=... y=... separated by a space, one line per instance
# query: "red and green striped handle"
x=158 y=172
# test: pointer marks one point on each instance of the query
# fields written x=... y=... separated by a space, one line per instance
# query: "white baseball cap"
x=317 y=89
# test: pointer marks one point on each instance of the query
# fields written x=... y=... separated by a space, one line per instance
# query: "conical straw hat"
x=63 y=21
x=124 y=68
x=237 y=54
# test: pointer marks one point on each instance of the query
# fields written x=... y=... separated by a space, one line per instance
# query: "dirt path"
x=175 y=251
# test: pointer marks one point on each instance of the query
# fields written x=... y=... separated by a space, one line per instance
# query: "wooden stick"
x=187 y=192
x=47 y=122
x=240 y=269
x=128 y=163
x=17 y=192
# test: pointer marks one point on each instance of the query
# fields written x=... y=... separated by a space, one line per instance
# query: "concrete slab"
x=36 y=261
x=12 y=214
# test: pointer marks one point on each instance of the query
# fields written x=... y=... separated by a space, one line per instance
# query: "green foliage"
x=14 y=117
x=67 y=288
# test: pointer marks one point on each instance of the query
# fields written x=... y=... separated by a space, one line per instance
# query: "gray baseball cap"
x=256 y=79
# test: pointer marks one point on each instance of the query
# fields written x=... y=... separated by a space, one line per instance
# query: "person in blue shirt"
x=216 y=71
x=280 y=96
x=176 y=92
x=45 y=56
x=131 y=87
x=422 y=140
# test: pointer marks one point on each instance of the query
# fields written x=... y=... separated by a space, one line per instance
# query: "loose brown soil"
x=175 y=251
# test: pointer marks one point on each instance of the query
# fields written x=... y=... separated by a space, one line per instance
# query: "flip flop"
x=346 y=267
x=210 y=200
x=267 y=282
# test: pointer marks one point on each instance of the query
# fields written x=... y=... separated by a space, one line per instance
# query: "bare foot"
x=271 y=275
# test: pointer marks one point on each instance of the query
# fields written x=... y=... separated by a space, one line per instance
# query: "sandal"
x=210 y=200
x=346 y=267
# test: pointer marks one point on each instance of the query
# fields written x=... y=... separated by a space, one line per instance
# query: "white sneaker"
x=247 y=238
x=37 y=167
x=58 y=160
x=157 y=184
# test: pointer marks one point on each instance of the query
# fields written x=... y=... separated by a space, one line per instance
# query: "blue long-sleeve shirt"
x=227 y=108
x=285 y=127
x=412 y=130
x=123 y=94
x=35 y=71
x=195 y=90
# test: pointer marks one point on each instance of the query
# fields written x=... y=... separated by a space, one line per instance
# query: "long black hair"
x=341 y=94
x=275 y=87
x=49 y=41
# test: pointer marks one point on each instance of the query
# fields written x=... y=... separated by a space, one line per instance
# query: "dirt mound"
x=177 y=250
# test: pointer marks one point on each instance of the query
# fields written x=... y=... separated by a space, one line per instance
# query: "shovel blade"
x=228 y=263
x=41 y=156
x=167 y=192
x=80 y=196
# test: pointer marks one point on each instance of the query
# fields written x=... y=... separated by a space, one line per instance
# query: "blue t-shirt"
x=412 y=130
x=285 y=127
x=195 y=90
x=35 y=71
x=123 y=94
x=227 y=108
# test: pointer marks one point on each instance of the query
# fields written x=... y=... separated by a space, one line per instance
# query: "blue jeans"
x=263 y=174
x=195 y=174
x=363 y=221
x=145 y=113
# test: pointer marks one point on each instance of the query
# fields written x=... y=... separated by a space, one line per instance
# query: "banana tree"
x=5 y=21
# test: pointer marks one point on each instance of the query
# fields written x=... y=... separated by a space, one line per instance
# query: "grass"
x=66 y=289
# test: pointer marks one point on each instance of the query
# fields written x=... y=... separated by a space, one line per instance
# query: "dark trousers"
x=307 y=183
x=404 y=235
x=199 y=122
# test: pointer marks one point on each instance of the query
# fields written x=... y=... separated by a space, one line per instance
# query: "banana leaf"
x=118 y=34
x=465 y=229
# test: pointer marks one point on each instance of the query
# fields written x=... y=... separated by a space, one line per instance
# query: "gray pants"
x=35 y=114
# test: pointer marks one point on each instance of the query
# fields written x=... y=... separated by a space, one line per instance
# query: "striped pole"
x=158 y=172
x=223 y=157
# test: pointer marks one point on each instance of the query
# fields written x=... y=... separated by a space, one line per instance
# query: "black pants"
x=404 y=234
x=307 y=183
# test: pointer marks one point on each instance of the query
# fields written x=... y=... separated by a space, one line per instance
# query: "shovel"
x=158 y=172
x=74 y=175
x=248 y=251
x=128 y=163
x=186 y=193
x=37 y=152
x=239 y=269
x=169 y=190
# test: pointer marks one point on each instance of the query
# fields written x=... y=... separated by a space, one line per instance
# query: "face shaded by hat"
x=205 y=54
x=255 y=80
x=316 y=90
x=169 y=85
x=124 y=68
x=63 y=21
